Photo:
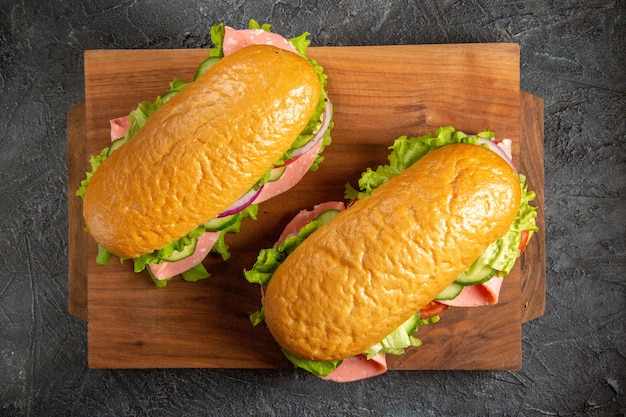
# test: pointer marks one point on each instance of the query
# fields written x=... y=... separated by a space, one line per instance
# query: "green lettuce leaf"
x=146 y=109
x=216 y=53
x=502 y=254
x=94 y=161
x=405 y=151
x=320 y=369
x=253 y=24
x=398 y=340
x=270 y=259
x=196 y=273
x=217 y=37
x=257 y=317
x=220 y=247
x=103 y=256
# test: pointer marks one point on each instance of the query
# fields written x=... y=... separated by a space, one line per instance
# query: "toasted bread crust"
x=363 y=274
x=201 y=150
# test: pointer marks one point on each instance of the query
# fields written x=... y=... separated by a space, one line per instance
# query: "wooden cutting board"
x=379 y=93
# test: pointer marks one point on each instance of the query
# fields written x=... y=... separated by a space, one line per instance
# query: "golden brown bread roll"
x=359 y=277
x=201 y=151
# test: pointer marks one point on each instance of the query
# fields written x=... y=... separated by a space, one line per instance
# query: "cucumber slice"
x=220 y=223
x=451 y=292
x=116 y=144
x=276 y=173
x=182 y=254
x=326 y=216
x=476 y=274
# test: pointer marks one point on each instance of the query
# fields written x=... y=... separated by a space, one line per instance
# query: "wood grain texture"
x=533 y=260
x=76 y=166
x=379 y=93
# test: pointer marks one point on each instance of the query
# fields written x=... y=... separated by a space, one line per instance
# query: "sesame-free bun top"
x=363 y=274
x=201 y=151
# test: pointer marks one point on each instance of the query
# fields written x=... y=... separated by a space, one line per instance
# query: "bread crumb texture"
x=359 y=277
x=201 y=151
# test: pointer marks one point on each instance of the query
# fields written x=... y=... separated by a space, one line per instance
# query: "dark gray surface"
x=572 y=55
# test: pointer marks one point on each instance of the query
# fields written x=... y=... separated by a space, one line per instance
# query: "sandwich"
x=348 y=283
x=183 y=171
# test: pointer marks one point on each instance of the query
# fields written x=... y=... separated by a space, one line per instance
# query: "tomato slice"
x=524 y=241
x=432 y=309
x=287 y=162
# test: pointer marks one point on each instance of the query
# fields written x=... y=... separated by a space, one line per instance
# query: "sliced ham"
x=506 y=145
x=477 y=295
x=306 y=216
x=236 y=39
x=167 y=270
x=119 y=127
x=294 y=172
x=358 y=367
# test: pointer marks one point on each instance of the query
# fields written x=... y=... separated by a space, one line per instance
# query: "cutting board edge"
x=533 y=261
x=77 y=237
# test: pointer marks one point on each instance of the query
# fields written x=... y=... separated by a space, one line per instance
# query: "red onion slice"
x=245 y=200
x=326 y=117
x=494 y=147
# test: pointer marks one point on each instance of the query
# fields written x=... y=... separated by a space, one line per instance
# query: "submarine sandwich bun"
x=349 y=284
x=183 y=171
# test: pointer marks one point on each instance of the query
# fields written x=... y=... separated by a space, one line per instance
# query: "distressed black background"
x=572 y=55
